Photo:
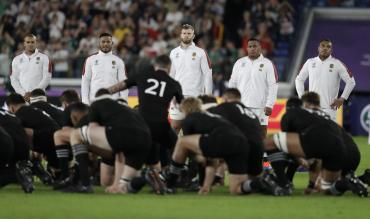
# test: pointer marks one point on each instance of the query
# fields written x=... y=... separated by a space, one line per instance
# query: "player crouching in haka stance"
x=209 y=136
x=309 y=135
x=113 y=127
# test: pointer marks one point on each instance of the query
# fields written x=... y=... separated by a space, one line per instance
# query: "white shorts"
x=332 y=113
x=260 y=113
x=174 y=112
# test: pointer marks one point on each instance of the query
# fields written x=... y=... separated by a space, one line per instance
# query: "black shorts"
x=109 y=162
x=6 y=148
x=43 y=142
x=321 y=142
x=353 y=156
x=134 y=143
x=163 y=140
x=255 y=158
x=233 y=148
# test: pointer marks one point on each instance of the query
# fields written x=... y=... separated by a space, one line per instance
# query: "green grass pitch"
x=45 y=203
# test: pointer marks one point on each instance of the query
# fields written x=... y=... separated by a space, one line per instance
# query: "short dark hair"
x=69 y=96
x=254 y=39
x=38 y=92
x=207 y=99
x=311 y=98
x=233 y=93
x=162 y=61
x=293 y=102
x=102 y=91
x=79 y=107
x=325 y=40
x=29 y=35
x=187 y=27
x=14 y=99
x=105 y=34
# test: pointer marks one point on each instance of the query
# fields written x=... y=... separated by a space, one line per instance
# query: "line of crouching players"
x=111 y=145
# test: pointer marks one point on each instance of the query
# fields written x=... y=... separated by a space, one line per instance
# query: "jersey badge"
x=261 y=66
x=331 y=66
x=37 y=60
x=96 y=62
x=314 y=65
x=113 y=64
x=177 y=55
x=193 y=55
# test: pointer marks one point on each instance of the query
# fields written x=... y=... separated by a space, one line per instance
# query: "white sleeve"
x=85 y=82
x=121 y=77
x=272 y=85
x=205 y=65
x=233 y=82
x=346 y=75
x=14 y=78
x=46 y=73
x=173 y=69
x=301 y=78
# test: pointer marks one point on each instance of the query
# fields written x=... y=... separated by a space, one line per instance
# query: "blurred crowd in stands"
x=68 y=30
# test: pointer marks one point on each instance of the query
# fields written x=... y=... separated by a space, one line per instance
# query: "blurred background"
x=289 y=31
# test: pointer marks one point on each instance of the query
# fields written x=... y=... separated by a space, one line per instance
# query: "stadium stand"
x=68 y=30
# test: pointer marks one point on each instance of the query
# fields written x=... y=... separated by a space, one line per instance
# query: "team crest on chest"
x=193 y=55
x=96 y=62
x=37 y=60
x=113 y=64
x=331 y=66
x=177 y=55
x=261 y=66
x=314 y=65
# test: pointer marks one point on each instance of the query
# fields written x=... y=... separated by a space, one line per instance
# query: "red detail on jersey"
x=208 y=60
x=276 y=73
x=125 y=71
x=50 y=68
x=83 y=68
x=348 y=71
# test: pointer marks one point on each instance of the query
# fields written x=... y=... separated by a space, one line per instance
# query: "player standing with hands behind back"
x=31 y=69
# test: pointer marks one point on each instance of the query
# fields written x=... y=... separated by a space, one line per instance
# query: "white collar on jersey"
x=318 y=58
x=33 y=54
x=104 y=96
x=258 y=58
x=104 y=54
x=191 y=45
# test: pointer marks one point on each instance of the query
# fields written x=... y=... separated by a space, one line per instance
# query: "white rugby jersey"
x=257 y=81
x=324 y=79
x=30 y=72
x=102 y=70
x=192 y=69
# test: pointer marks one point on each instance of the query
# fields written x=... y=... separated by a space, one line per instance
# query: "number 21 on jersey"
x=154 y=84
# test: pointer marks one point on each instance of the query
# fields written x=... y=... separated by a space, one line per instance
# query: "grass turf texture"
x=45 y=203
